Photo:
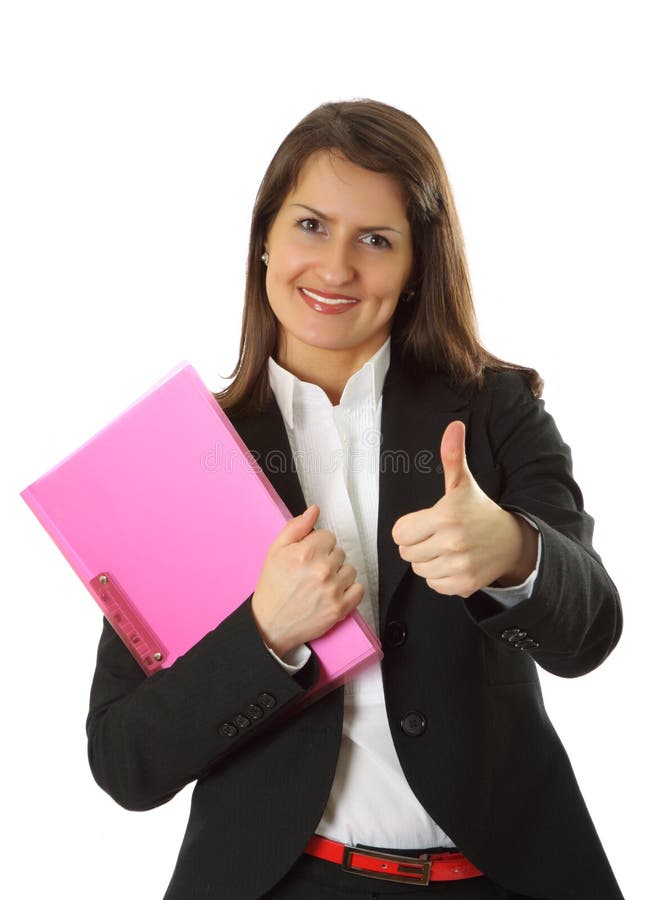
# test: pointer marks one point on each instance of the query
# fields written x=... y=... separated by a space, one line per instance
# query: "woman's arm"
x=150 y=736
x=573 y=619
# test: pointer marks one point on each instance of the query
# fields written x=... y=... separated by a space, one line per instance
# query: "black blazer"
x=488 y=767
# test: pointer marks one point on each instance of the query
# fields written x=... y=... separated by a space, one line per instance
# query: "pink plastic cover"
x=166 y=517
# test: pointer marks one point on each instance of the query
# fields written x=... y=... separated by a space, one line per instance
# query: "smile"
x=326 y=304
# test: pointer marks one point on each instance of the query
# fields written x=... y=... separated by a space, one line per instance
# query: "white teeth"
x=326 y=299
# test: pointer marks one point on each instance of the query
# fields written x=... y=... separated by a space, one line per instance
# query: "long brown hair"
x=437 y=330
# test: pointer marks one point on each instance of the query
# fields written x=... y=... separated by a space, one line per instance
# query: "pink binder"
x=153 y=515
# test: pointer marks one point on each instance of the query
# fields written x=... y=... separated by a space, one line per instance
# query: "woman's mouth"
x=326 y=305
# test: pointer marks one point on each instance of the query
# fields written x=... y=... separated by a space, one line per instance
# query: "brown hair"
x=437 y=330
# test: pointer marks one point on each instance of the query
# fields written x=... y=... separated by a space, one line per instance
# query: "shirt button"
x=267 y=701
x=227 y=730
x=413 y=723
x=395 y=634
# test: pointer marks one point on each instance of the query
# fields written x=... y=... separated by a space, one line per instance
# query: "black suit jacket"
x=489 y=767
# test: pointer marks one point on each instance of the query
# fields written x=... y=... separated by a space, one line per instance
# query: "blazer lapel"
x=266 y=437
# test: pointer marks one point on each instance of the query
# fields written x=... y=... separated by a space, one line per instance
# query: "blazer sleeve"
x=150 y=736
x=573 y=618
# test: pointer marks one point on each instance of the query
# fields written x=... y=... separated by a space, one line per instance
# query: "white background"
x=134 y=139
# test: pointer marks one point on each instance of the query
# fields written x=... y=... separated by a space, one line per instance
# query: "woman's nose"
x=335 y=264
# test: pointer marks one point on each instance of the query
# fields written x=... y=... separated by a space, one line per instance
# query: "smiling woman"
x=441 y=764
x=340 y=267
x=343 y=167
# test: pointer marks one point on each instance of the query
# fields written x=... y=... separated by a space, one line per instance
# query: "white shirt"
x=336 y=453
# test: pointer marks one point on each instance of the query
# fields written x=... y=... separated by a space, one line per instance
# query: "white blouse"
x=336 y=453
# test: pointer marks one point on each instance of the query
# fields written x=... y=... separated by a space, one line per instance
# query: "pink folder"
x=154 y=515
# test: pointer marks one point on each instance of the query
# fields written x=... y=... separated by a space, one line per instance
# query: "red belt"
x=420 y=869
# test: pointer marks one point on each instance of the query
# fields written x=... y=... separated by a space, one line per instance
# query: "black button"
x=413 y=723
x=395 y=634
x=241 y=721
x=254 y=711
x=228 y=730
x=267 y=701
x=527 y=644
x=518 y=638
x=511 y=634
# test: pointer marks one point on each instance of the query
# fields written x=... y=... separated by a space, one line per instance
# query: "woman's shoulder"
x=507 y=381
x=503 y=390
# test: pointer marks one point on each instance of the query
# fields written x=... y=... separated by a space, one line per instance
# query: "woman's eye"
x=303 y=224
x=383 y=242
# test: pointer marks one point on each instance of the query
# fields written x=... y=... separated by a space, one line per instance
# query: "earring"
x=405 y=298
x=265 y=258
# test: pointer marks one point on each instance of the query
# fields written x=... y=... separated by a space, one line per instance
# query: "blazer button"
x=228 y=730
x=527 y=644
x=253 y=711
x=413 y=723
x=241 y=721
x=267 y=701
x=395 y=634
x=512 y=635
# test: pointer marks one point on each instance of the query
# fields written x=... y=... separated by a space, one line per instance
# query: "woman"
x=433 y=492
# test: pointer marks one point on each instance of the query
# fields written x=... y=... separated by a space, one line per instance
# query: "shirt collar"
x=364 y=386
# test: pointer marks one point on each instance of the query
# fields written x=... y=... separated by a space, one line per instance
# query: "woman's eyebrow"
x=322 y=215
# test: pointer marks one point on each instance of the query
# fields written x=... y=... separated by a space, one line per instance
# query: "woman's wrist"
x=277 y=642
x=523 y=557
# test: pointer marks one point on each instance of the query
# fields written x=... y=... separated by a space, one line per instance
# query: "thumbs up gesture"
x=465 y=541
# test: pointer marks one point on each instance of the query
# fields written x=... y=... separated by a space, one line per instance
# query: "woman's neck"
x=330 y=369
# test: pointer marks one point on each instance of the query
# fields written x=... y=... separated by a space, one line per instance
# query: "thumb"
x=298 y=528
x=453 y=455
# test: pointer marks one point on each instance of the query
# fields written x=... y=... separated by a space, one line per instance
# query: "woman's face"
x=342 y=232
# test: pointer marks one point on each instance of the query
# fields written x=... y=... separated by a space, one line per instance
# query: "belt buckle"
x=418 y=870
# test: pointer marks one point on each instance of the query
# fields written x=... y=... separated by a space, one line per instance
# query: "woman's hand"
x=304 y=587
x=465 y=541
